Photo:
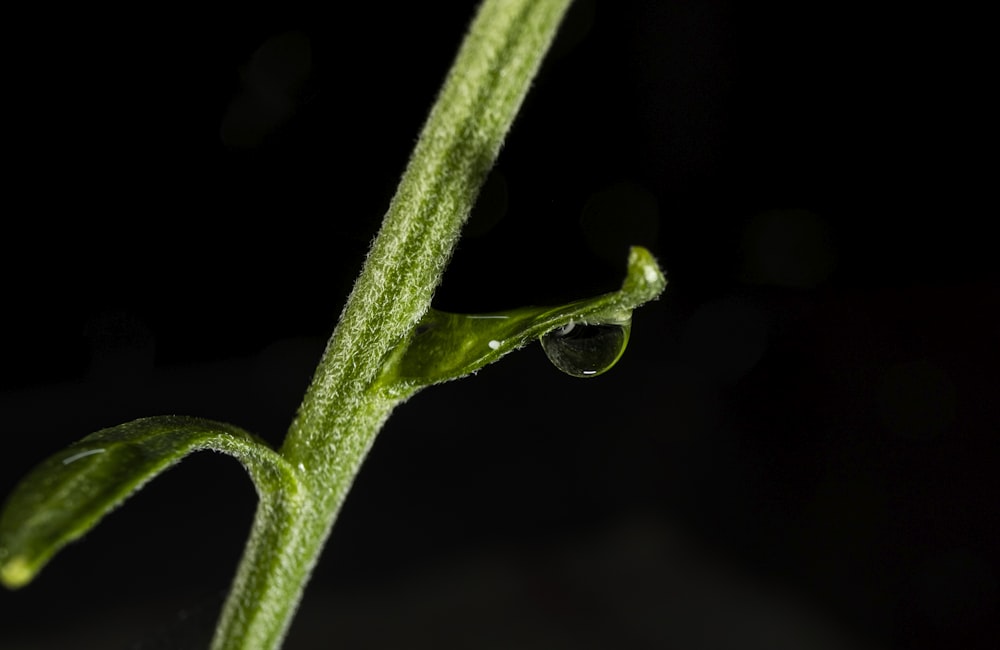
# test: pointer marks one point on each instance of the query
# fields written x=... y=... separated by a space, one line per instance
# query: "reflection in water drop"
x=586 y=350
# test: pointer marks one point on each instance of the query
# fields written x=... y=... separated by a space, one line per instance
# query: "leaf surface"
x=68 y=493
x=447 y=346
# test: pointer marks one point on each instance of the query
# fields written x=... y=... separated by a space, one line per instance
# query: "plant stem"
x=344 y=407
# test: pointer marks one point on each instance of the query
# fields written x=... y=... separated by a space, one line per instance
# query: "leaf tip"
x=16 y=572
x=644 y=279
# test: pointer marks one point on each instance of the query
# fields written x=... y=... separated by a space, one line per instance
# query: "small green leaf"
x=447 y=346
x=68 y=493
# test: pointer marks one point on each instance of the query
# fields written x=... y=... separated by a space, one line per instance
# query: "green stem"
x=345 y=405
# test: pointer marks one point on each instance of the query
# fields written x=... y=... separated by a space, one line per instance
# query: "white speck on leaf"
x=82 y=454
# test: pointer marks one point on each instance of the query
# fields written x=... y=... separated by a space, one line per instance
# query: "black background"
x=797 y=451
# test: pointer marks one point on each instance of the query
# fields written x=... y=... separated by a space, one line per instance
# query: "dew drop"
x=586 y=350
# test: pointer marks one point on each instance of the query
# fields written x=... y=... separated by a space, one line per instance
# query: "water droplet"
x=583 y=350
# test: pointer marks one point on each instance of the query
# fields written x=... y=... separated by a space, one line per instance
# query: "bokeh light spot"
x=620 y=216
x=790 y=248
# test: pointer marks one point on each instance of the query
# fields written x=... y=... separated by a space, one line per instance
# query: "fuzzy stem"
x=344 y=408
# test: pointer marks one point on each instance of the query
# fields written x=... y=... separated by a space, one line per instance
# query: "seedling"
x=388 y=345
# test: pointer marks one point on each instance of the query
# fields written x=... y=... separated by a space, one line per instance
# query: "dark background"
x=797 y=451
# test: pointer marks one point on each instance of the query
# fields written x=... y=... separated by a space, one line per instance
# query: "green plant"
x=388 y=345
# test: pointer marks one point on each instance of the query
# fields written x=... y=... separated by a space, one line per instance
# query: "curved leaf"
x=447 y=346
x=68 y=493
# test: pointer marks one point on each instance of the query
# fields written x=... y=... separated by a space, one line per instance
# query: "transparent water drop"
x=582 y=350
